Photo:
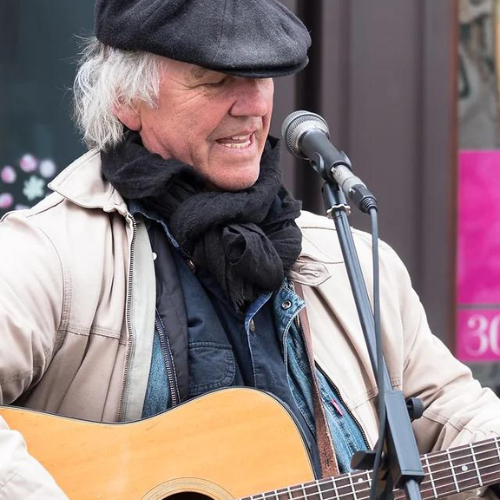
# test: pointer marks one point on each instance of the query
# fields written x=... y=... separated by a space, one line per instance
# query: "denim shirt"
x=346 y=433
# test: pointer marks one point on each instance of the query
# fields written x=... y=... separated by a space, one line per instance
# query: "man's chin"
x=233 y=183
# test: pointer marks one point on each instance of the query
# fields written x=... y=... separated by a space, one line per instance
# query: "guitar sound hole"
x=188 y=495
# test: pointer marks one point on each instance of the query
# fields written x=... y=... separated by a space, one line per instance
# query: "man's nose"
x=252 y=97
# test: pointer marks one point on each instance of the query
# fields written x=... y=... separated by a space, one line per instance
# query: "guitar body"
x=228 y=444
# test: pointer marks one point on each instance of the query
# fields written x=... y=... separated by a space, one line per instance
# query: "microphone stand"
x=401 y=466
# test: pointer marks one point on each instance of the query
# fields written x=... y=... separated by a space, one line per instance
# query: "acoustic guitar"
x=231 y=444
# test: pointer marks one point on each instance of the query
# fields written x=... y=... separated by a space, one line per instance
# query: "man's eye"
x=218 y=83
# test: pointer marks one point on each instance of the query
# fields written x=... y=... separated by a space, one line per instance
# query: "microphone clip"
x=327 y=172
x=341 y=206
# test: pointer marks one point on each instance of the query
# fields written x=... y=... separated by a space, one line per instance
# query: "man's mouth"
x=237 y=141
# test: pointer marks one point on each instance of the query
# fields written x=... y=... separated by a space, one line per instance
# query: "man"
x=168 y=261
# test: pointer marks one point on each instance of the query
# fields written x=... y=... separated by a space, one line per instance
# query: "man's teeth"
x=237 y=145
x=247 y=141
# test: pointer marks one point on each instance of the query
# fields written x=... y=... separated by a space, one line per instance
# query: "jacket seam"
x=370 y=394
x=396 y=381
x=32 y=213
x=366 y=398
x=87 y=332
x=21 y=376
x=436 y=417
x=457 y=424
x=57 y=341
x=9 y=479
x=407 y=358
x=66 y=294
x=29 y=374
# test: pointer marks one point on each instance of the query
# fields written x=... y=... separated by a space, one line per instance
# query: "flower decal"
x=8 y=175
x=34 y=188
x=24 y=183
x=6 y=200
x=28 y=163
x=47 y=169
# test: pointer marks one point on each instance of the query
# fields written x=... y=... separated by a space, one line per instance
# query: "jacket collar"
x=318 y=252
x=82 y=183
x=320 y=240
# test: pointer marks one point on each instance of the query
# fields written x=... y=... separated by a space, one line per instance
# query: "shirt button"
x=191 y=265
x=286 y=305
x=155 y=256
x=251 y=326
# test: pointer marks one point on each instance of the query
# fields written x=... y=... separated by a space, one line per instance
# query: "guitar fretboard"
x=446 y=472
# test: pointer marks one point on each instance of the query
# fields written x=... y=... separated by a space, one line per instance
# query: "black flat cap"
x=250 y=38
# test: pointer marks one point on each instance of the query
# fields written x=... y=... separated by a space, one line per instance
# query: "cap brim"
x=254 y=72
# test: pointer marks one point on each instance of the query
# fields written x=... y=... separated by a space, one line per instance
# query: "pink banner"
x=478 y=274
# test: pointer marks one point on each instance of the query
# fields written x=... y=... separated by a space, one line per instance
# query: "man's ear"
x=129 y=115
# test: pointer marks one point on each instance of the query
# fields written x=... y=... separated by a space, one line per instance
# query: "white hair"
x=107 y=78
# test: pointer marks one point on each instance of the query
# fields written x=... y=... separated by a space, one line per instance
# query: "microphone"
x=307 y=136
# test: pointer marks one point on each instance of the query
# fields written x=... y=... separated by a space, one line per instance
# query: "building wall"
x=383 y=74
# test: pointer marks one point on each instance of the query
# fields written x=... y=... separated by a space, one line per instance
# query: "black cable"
x=379 y=354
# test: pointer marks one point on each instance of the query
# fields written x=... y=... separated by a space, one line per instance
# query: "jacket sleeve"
x=457 y=409
x=21 y=476
x=31 y=298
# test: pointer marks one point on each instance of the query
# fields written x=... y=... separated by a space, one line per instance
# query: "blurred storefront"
x=478 y=222
x=38 y=50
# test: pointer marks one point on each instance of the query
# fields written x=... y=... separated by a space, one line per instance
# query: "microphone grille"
x=296 y=124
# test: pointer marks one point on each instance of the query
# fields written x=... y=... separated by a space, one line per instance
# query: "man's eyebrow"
x=197 y=72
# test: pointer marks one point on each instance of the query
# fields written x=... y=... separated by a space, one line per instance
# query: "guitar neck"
x=446 y=473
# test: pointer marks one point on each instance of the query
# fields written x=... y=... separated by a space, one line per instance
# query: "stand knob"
x=415 y=408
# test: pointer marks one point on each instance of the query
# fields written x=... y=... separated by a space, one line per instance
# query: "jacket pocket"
x=211 y=366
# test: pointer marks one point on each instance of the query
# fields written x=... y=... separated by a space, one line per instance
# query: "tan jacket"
x=77 y=297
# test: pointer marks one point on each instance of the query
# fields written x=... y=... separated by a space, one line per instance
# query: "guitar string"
x=433 y=473
x=461 y=464
x=478 y=449
x=467 y=448
x=424 y=490
x=358 y=475
x=438 y=486
x=357 y=494
x=484 y=477
x=476 y=453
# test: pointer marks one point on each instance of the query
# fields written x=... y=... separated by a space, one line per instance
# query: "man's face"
x=215 y=122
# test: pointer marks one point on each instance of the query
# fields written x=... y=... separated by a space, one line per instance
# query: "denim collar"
x=135 y=207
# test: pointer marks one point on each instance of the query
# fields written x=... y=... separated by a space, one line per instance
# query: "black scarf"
x=247 y=240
